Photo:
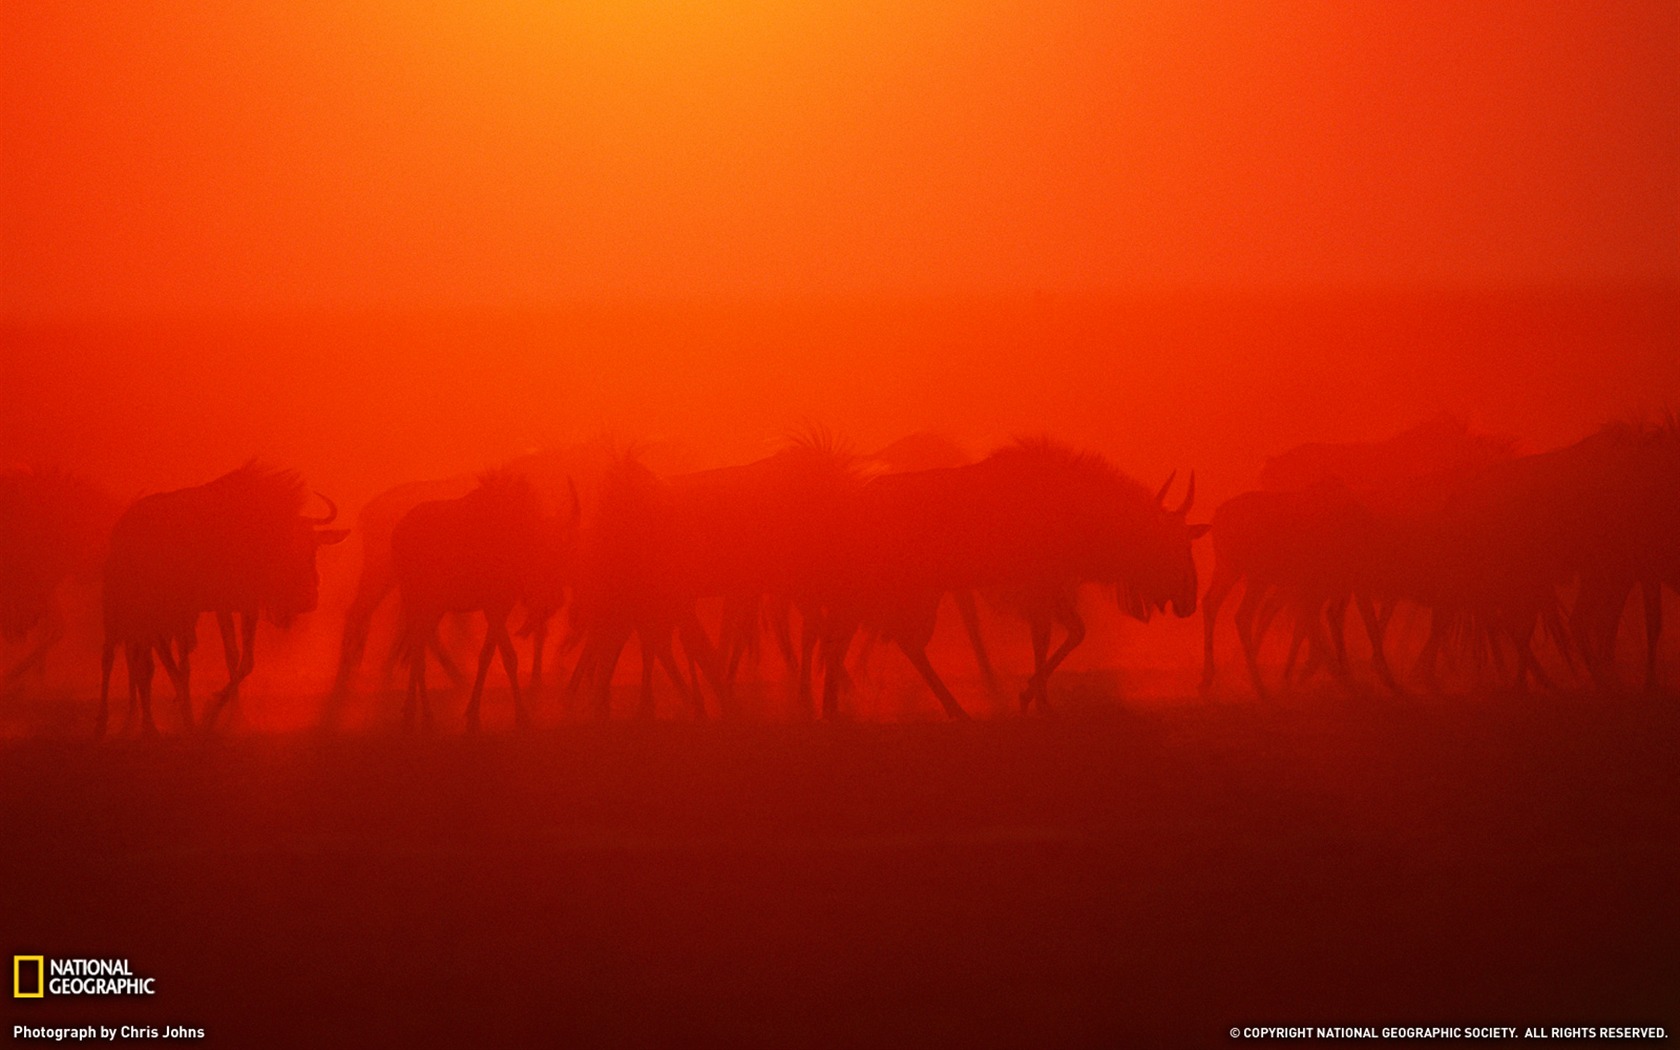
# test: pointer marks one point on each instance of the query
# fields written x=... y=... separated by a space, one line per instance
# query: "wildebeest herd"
x=1522 y=566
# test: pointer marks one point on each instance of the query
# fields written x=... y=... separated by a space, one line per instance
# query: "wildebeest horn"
x=1189 y=496
x=1161 y=496
x=327 y=519
x=577 y=504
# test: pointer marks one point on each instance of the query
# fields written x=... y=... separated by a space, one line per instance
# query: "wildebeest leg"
x=919 y=659
x=1321 y=650
x=1653 y=632
x=1594 y=623
x=1276 y=599
x=969 y=612
x=837 y=633
x=247 y=648
x=1376 y=626
x=107 y=660
x=371 y=588
x=485 y=652
x=647 y=706
x=140 y=679
x=1543 y=614
x=241 y=657
x=1526 y=659
x=605 y=665
x=230 y=653
x=737 y=633
x=445 y=659
x=1252 y=597
x=510 y=667
x=781 y=629
x=1300 y=636
x=699 y=647
x=179 y=670
x=1039 y=626
x=1067 y=612
x=667 y=658
x=580 y=671
x=810 y=633
x=420 y=702
x=1582 y=616
x=539 y=639
x=411 y=645
x=1218 y=588
x=1328 y=634
x=1522 y=638
x=1336 y=624
x=1424 y=669
x=584 y=670
x=131 y=672
x=416 y=684
x=1489 y=635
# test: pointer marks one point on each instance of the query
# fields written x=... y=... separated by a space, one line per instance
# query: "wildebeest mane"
x=1076 y=466
x=256 y=493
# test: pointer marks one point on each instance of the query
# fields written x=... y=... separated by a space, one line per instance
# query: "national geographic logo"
x=29 y=976
x=36 y=977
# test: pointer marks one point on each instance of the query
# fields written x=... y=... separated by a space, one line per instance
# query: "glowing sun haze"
x=204 y=157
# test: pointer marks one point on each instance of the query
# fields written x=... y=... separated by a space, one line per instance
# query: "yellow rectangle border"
x=40 y=962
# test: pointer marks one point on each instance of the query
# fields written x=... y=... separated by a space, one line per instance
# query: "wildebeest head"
x=1164 y=572
x=293 y=586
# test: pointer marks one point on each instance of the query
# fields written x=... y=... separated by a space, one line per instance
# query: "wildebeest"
x=1599 y=514
x=1035 y=519
x=483 y=552
x=1306 y=550
x=753 y=536
x=1637 y=543
x=930 y=451
x=377 y=577
x=236 y=546
x=555 y=473
x=1339 y=525
x=53 y=527
x=1440 y=445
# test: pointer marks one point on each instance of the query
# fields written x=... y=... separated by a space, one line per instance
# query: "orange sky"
x=395 y=239
x=171 y=157
x=392 y=240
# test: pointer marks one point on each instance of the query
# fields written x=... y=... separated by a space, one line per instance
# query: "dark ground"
x=1121 y=878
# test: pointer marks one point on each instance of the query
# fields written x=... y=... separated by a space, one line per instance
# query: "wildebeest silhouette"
x=236 y=546
x=1339 y=525
x=1637 y=543
x=53 y=526
x=556 y=473
x=753 y=536
x=486 y=551
x=1599 y=514
x=1489 y=545
x=1034 y=519
x=630 y=584
x=377 y=577
x=1443 y=444
x=930 y=451
x=1307 y=550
